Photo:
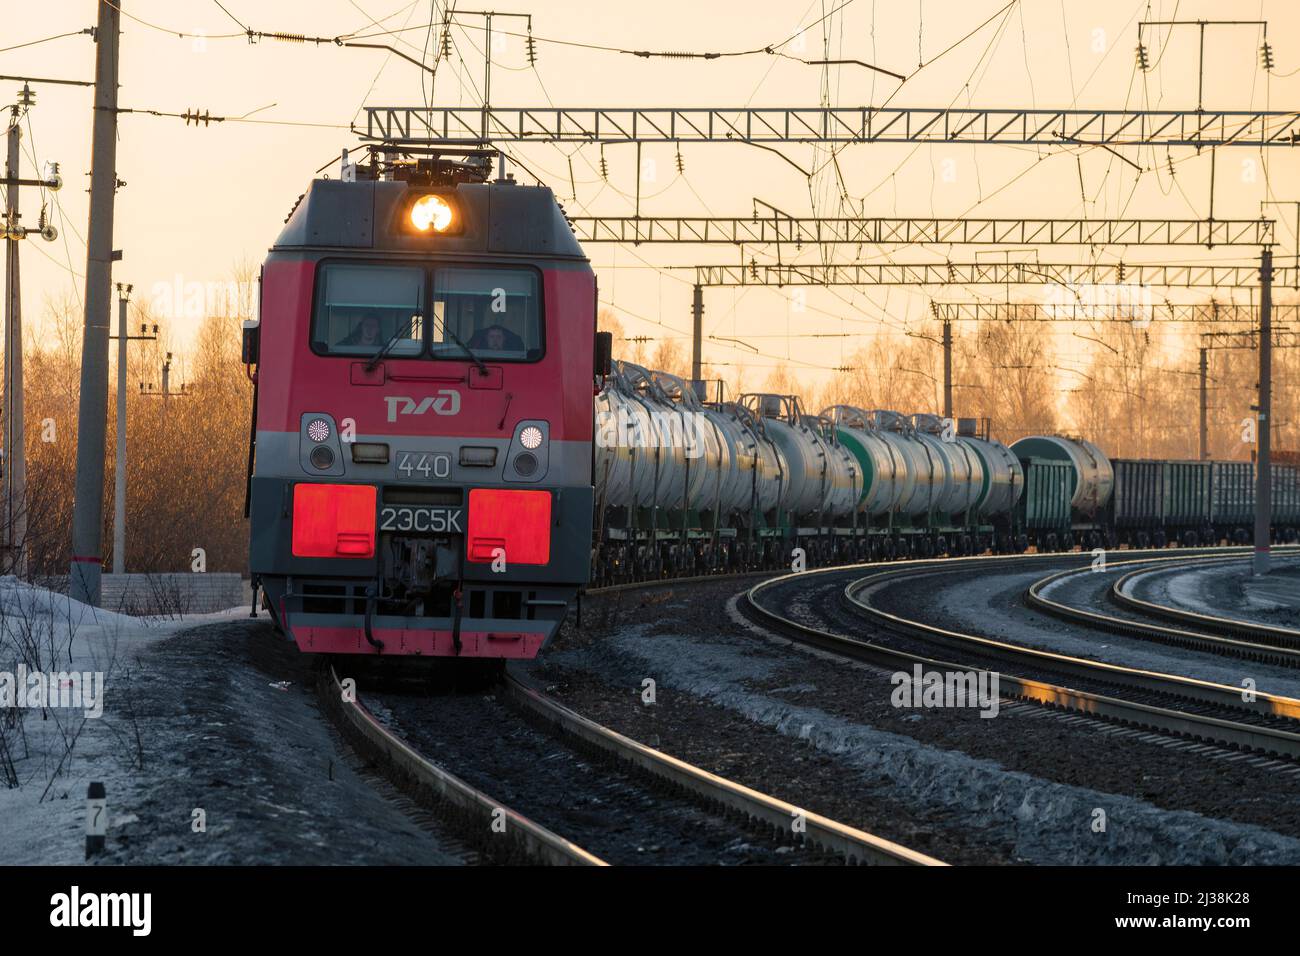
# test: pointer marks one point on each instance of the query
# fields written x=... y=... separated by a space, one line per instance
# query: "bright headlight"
x=431 y=212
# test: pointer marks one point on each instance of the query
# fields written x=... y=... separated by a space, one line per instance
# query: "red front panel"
x=294 y=379
x=514 y=524
x=333 y=521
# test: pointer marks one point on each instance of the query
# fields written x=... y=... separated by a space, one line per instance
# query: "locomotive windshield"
x=360 y=308
x=479 y=313
x=493 y=310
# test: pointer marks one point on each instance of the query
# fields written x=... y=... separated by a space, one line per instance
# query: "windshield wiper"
x=403 y=332
x=478 y=362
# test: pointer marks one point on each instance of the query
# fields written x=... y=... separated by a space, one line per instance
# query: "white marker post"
x=96 y=819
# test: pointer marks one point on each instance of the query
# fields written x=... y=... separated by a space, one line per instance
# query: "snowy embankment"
x=209 y=741
x=66 y=671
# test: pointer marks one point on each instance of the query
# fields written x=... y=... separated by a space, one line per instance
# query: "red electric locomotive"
x=420 y=479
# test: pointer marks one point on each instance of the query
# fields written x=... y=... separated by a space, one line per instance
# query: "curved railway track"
x=1202 y=711
x=1253 y=631
x=1201 y=632
x=529 y=841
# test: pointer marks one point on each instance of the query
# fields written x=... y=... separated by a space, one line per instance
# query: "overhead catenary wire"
x=57 y=36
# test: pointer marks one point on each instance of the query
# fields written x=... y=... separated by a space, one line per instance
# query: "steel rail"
x=1286 y=652
x=1189 y=688
x=1158 y=718
x=540 y=844
x=856 y=846
x=1251 y=630
x=535 y=841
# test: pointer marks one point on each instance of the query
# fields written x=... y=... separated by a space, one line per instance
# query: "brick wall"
x=170 y=593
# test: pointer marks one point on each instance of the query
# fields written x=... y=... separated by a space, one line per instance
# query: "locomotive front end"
x=423 y=423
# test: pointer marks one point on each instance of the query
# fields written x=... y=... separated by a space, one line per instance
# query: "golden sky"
x=197 y=200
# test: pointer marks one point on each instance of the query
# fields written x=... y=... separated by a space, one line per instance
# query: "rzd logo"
x=446 y=402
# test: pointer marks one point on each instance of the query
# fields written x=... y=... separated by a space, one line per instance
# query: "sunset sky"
x=198 y=200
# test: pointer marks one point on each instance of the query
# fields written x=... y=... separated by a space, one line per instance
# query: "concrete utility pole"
x=1205 y=434
x=947 y=369
x=119 y=484
x=1263 y=465
x=119 y=475
x=697 y=333
x=15 y=437
x=88 y=503
x=166 y=392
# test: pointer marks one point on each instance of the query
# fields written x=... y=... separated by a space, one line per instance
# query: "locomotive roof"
x=497 y=218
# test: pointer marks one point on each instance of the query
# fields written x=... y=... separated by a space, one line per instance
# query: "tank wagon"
x=686 y=486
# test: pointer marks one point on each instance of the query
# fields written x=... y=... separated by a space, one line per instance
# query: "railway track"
x=1217 y=635
x=835 y=603
x=739 y=808
x=1232 y=627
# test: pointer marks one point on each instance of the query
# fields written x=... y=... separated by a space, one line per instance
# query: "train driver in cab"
x=497 y=338
x=365 y=331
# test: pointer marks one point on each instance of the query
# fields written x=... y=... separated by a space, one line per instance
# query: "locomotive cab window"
x=362 y=309
x=494 y=313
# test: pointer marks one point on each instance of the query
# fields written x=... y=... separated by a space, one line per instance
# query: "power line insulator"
x=604 y=167
x=445 y=41
x=1143 y=62
x=1119 y=272
x=531 y=47
x=681 y=163
x=1266 y=56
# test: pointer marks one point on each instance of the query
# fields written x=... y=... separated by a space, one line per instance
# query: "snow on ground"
x=1224 y=591
x=213 y=716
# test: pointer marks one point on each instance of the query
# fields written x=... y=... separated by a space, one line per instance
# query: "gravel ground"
x=822 y=734
x=616 y=815
x=990 y=604
x=224 y=718
x=1224 y=591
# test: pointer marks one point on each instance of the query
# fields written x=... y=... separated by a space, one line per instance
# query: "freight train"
x=687 y=486
x=429 y=475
